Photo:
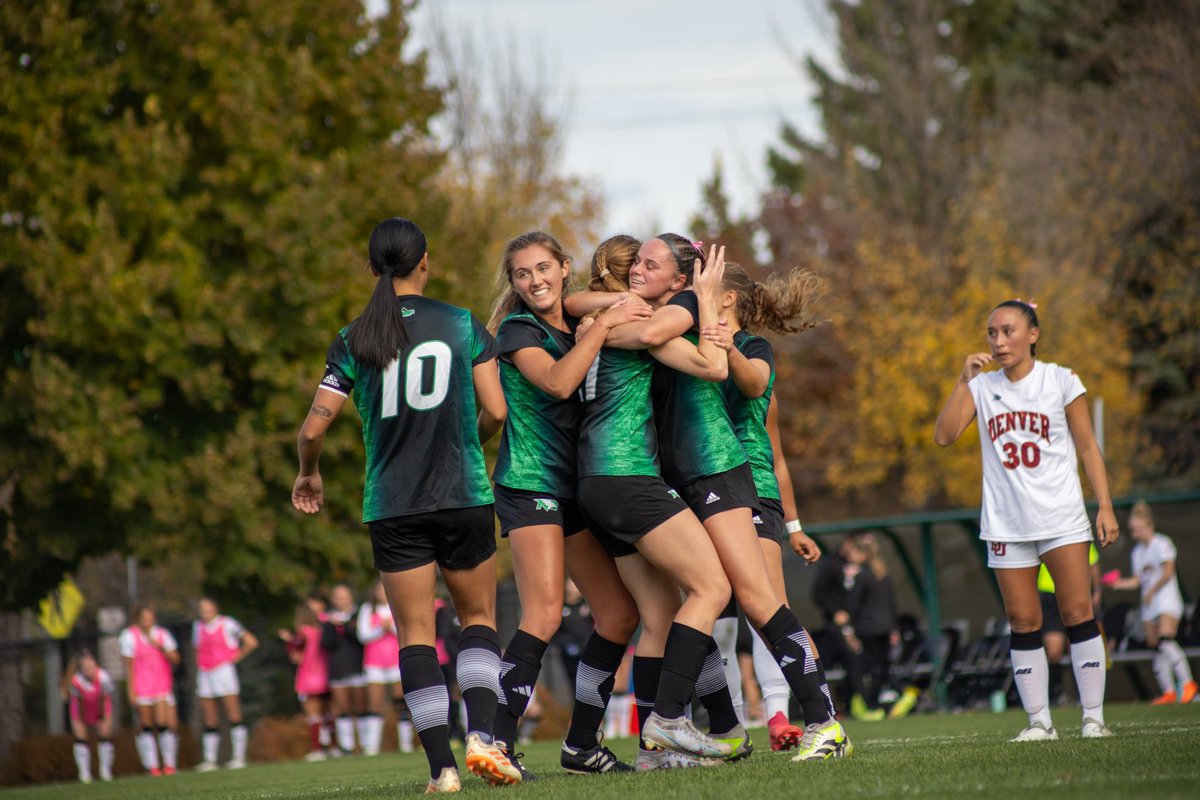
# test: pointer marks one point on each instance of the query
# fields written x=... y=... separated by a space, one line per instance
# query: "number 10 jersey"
x=418 y=414
x=1031 y=487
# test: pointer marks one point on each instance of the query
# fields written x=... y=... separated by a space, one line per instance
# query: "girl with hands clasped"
x=1033 y=419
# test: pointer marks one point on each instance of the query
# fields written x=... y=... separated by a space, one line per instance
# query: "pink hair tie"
x=699 y=247
x=1029 y=303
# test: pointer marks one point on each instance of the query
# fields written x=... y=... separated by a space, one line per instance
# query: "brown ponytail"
x=777 y=301
x=611 y=264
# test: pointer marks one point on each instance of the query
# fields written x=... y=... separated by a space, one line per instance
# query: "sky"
x=657 y=91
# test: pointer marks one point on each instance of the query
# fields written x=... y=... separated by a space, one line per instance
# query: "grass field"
x=1154 y=754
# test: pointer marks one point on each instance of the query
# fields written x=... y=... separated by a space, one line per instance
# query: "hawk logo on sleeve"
x=406 y=312
x=545 y=504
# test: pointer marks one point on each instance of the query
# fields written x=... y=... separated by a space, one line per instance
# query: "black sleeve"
x=688 y=301
x=758 y=347
x=339 y=368
x=517 y=334
x=486 y=348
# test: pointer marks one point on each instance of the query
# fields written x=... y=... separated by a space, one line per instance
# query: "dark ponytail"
x=396 y=248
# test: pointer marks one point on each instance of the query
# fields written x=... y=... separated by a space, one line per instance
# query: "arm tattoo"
x=321 y=411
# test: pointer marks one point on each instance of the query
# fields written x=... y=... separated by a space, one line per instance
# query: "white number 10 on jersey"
x=426 y=355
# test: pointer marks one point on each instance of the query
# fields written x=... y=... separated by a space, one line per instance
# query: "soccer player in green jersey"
x=656 y=541
x=541 y=369
x=708 y=466
x=417 y=368
x=753 y=411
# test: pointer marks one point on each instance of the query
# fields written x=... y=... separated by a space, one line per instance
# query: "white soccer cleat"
x=1094 y=729
x=682 y=736
x=822 y=741
x=1036 y=732
x=206 y=766
x=446 y=782
x=316 y=755
x=669 y=759
x=235 y=763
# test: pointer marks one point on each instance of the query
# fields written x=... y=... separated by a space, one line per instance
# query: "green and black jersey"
x=538 y=447
x=749 y=416
x=695 y=435
x=418 y=414
x=616 y=434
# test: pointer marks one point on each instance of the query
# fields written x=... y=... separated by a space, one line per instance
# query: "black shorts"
x=769 y=519
x=1051 y=619
x=456 y=538
x=724 y=491
x=520 y=508
x=619 y=510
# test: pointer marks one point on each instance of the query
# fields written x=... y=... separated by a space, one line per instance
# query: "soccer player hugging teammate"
x=541 y=369
x=416 y=368
x=89 y=692
x=657 y=542
x=702 y=458
x=220 y=642
x=150 y=654
x=747 y=305
x=1033 y=418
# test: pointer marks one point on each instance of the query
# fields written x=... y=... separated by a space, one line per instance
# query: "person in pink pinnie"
x=312 y=675
x=381 y=668
x=150 y=653
x=88 y=691
x=220 y=643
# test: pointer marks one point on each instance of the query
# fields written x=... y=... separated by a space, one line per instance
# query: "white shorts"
x=350 y=681
x=220 y=681
x=382 y=675
x=1166 y=602
x=1015 y=555
x=155 y=699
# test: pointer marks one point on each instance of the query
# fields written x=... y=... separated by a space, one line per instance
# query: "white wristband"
x=793 y=526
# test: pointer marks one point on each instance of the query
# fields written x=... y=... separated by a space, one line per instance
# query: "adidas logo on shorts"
x=783 y=662
x=545 y=504
x=712 y=498
x=527 y=691
x=757 y=520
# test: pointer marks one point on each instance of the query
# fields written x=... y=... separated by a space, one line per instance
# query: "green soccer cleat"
x=823 y=741
x=738 y=739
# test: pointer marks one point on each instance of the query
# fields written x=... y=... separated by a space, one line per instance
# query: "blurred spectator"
x=856 y=598
x=347 y=686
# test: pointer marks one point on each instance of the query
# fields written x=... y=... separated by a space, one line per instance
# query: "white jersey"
x=1148 y=560
x=129 y=638
x=1031 y=485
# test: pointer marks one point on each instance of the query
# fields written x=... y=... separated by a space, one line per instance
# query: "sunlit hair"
x=611 y=263
x=867 y=544
x=774 y=303
x=684 y=252
x=507 y=300
x=1141 y=510
x=1028 y=311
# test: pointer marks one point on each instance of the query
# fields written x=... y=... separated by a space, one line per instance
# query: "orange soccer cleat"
x=1189 y=692
x=1165 y=699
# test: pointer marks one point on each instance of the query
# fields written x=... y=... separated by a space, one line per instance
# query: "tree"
x=187 y=192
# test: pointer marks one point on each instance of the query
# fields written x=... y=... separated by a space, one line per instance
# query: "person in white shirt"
x=219 y=644
x=1162 y=605
x=1033 y=426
